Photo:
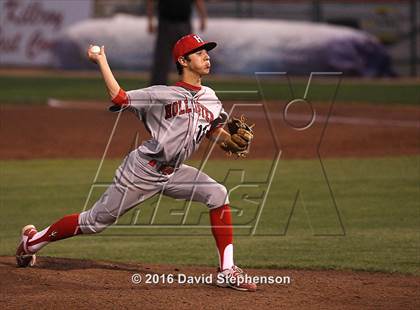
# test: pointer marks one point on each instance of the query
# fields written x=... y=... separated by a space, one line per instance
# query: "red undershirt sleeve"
x=121 y=98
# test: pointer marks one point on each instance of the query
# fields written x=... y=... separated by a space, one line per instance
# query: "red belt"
x=164 y=169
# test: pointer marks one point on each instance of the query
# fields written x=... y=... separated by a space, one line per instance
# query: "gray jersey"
x=177 y=119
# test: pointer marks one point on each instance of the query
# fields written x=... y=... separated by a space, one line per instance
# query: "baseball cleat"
x=235 y=278
x=24 y=258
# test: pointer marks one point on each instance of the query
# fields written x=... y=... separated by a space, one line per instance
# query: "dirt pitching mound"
x=56 y=282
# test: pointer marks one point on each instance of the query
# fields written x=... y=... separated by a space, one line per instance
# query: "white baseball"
x=95 y=49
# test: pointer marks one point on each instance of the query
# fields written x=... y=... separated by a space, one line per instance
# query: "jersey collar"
x=188 y=86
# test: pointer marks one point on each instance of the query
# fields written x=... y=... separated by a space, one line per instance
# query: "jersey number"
x=202 y=130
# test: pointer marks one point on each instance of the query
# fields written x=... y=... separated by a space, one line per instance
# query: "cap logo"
x=198 y=39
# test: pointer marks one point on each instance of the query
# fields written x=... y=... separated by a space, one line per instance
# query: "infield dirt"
x=82 y=130
x=84 y=284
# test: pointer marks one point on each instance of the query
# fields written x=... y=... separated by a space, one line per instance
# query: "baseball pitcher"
x=178 y=118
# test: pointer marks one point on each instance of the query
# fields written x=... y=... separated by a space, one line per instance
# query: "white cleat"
x=235 y=278
x=24 y=258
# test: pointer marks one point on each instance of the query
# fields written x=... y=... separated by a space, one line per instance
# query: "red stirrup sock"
x=221 y=227
x=64 y=228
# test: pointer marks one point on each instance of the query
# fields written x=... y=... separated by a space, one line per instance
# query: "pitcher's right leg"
x=114 y=202
x=133 y=183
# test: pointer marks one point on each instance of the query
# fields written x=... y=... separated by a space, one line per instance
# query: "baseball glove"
x=241 y=135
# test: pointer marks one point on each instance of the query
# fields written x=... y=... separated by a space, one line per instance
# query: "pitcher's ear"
x=182 y=60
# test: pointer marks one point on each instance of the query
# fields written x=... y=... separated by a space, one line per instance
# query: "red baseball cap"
x=190 y=43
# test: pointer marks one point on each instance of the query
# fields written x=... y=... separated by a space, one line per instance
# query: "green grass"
x=37 y=90
x=377 y=202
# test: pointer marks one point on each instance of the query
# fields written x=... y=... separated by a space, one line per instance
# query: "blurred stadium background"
x=53 y=34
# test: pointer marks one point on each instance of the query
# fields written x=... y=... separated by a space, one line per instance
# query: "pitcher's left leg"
x=191 y=184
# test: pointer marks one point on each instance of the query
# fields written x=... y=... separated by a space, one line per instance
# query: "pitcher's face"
x=199 y=62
